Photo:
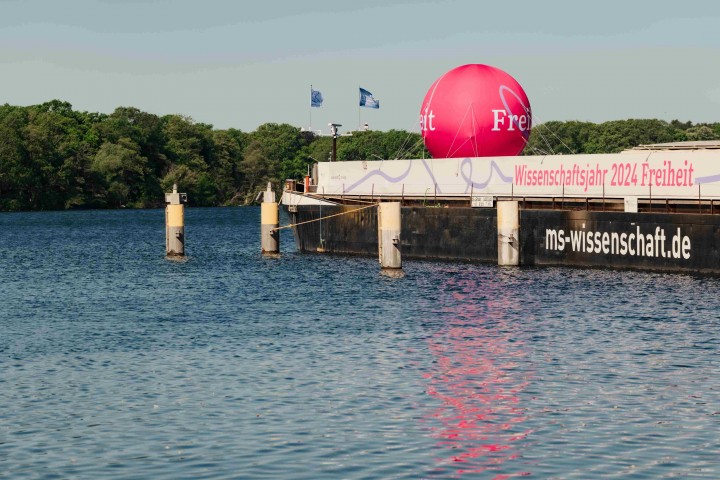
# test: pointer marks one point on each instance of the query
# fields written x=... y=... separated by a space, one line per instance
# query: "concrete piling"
x=269 y=222
x=389 y=222
x=175 y=223
x=508 y=225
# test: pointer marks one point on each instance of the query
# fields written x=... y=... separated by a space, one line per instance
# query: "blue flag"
x=316 y=98
x=367 y=99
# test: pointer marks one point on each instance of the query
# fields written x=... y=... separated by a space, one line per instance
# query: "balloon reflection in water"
x=478 y=376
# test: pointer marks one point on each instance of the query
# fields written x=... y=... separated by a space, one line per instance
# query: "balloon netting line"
x=538 y=130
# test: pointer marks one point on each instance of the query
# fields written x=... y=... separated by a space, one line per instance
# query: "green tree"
x=701 y=132
x=52 y=135
x=188 y=148
x=376 y=145
x=16 y=172
x=272 y=156
x=123 y=169
x=619 y=135
x=226 y=164
x=186 y=142
x=319 y=149
x=146 y=131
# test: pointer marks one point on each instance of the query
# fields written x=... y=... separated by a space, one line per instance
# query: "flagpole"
x=310 y=107
x=359 y=120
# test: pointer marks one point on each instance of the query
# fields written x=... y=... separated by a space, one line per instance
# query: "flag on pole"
x=367 y=99
x=316 y=98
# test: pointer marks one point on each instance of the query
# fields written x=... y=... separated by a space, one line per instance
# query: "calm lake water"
x=117 y=363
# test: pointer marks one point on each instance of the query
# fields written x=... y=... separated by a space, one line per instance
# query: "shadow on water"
x=177 y=258
x=392 y=273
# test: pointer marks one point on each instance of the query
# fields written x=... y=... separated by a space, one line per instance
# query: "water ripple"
x=116 y=363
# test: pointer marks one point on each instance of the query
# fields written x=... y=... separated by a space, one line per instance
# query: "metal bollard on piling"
x=269 y=222
x=389 y=221
x=175 y=223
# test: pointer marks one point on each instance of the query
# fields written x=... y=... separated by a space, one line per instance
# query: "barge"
x=653 y=207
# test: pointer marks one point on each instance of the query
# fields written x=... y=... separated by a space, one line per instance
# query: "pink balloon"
x=475 y=111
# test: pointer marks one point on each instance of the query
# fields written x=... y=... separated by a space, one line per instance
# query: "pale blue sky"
x=240 y=64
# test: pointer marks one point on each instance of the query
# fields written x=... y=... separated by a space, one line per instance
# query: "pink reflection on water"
x=477 y=381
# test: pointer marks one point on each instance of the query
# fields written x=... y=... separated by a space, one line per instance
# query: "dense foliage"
x=52 y=157
x=610 y=137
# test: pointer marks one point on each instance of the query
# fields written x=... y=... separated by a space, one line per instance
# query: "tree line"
x=53 y=157
x=615 y=136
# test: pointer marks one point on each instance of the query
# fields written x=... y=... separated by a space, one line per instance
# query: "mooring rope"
x=323 y=218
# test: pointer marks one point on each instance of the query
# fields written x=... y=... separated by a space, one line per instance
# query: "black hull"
x=677 y=242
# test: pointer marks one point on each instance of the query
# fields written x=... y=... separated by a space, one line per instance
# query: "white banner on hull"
x=669 y=174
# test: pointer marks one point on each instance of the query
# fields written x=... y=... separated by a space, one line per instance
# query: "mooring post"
x=389 y=222
x=269 y=222
x=508 y=224
x=175 y=223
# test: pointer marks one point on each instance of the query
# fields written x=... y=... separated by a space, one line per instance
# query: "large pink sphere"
x=475 y=111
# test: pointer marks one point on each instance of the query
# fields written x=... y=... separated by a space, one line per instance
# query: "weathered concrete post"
x=508 y=224
x=389 y=221
x=175 y=223
x=269 y=222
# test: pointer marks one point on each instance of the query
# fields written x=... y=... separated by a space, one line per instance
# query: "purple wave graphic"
x=494 y=167
x=388 y=178
x=708 y=179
